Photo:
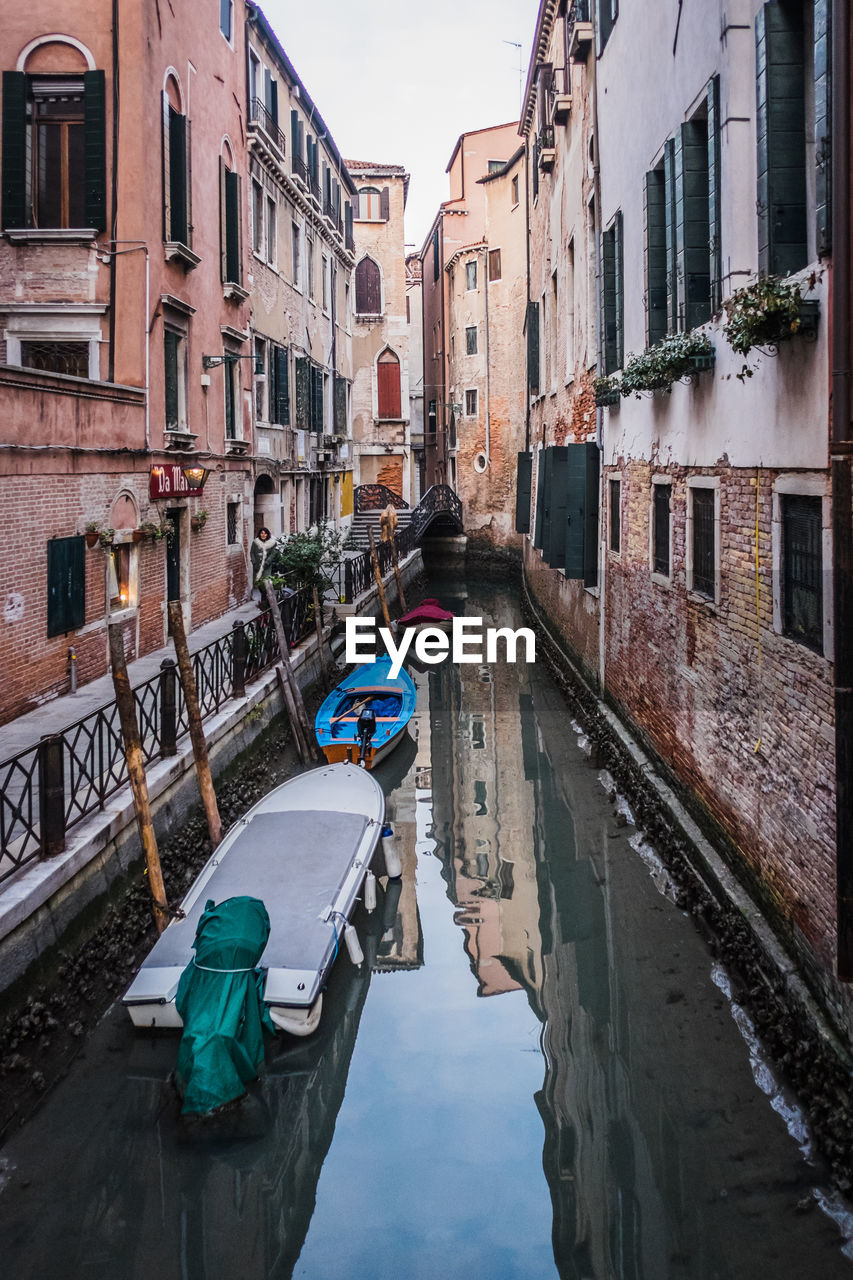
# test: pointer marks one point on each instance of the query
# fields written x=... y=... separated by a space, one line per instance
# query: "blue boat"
x=366 y=715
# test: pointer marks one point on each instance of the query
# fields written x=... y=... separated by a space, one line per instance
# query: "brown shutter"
x=385 y=204
x=388 y=386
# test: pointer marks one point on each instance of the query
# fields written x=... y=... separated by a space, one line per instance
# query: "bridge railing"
x=376 y=497
x=438 y=501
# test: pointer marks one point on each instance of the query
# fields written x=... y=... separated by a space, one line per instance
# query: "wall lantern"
x=227 y=357
x=195 y=476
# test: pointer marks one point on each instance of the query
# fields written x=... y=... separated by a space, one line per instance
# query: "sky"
x=397 y=81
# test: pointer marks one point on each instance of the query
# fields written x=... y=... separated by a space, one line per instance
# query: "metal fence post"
x=168 y=708
x=348 y=595
x=51 y=794
x=239 y=654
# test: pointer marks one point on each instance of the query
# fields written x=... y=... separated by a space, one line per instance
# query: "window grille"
x=802 y=570
x=662 y=497
x=57 y=357
x=703 y=542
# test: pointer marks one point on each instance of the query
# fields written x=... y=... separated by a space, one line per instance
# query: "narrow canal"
x=537 y=1073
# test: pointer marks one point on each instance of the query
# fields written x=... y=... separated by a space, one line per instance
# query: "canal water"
x=538 y=1071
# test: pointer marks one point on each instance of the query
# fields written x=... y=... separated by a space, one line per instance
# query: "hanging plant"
x=673 y=358
x=765 y=313
x=155 y=531
x=607 y=389
x=199 y=520
x=93 y=533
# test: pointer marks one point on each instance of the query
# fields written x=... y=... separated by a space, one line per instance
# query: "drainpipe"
x=486 y=303
x=599 y=412
x=527 y=304
x=114 y=199
x=841 y=456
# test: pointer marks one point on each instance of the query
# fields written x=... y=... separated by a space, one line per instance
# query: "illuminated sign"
x=171 y=480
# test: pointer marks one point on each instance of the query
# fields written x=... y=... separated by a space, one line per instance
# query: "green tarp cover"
x=219 y=1000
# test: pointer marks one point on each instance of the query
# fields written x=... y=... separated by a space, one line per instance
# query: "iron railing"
x=439 y=503
x=376 y=497
x=260 y=115
x=55 y=784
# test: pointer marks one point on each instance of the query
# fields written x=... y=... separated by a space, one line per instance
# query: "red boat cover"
x=427 y=611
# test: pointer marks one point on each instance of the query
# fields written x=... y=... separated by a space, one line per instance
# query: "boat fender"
x=353 y=945
x=370 y=892
x=393 y=865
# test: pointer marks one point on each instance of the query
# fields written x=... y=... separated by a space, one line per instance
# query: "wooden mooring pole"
x=136 y=774
x=400 y=592
x=305 y=742
x=318 y=625
x=202 y=764
x=377 y=573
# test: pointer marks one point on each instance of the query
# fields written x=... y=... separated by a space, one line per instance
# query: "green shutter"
x=582 y=472
x=340 y=406
x=303 y=393
x=590 y=546
x=95 y=126
x=678 y=272
x=781 y=130
x=177 y=177
x=715 y=253
x=612 y=295
x=317 y=400
x=619 y=265
x=554 y=527
x=66 y=585
x=540 y=500
x=282 y=387
x=294 y=133
x=233 y=270
x=693 y=230
x=533 y=348
x=654 y=246
x=669 y=175
x=823 y=123
x=14 y=149
x=522 y=492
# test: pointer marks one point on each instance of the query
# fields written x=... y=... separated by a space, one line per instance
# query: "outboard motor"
x=365 y=727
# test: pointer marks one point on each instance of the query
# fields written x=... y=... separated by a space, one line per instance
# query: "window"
x=176 y=185
x=471 y=403
x=175 y=369
x=554 y=345
x=471 y=340
x=802 y=569
x=566 y=520
x=368 y=288
x=515 y=190
x=317 y=399
x=118 y=576
x=271 y=234
x=229 y=369
x=702 y=577
x=388 y=386
x=66 y=585
x=232 y=522
x=471 y=275
x=606 y=13
x=661 y=499
x=615 y=516
x=494 y=264
x=230 y=249
x=279 y=386
x=432 y=417
x=436 y=268
x=655 y=255
x=257 y=218
x=495 y=166
x=309 y=245
x=570 y=311
x=611 y=296
x=373 y=205
x=325 y=283
x=56 y=357
x=260 y=380
x=54 y=151
x=295 y=251
x=226 y=18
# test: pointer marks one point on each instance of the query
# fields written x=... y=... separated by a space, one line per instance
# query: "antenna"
x=515 y=45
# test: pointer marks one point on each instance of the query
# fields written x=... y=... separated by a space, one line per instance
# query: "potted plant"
x=199 y=520
x=675 y=357
x=155 y=532
x=106 y=536
x=93 y=529
x=607 y=389
x=767 y=312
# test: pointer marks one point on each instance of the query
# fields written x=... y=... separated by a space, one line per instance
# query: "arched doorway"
x=267 y=510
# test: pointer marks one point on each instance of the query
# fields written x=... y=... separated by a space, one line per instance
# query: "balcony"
x=582 y=35
x=546 y=149
x=299 y=169
x=559 y=96
x=264 y=131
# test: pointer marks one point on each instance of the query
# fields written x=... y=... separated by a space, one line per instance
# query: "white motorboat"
x=304 y=851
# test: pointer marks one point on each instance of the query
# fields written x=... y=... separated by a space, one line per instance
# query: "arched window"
x=368 y=288
x=369 y=204
x=388 y=385
x=176 y=166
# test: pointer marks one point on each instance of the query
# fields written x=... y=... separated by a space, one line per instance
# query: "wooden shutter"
x=66 y=585
x=654 y=252
x=669 y=185
x=692 y=229
x=282 y=387
x=223 y=222
x=524 y=478
x=555 y=516
x=781 y=129
x=715 y=253
x=177 y=176
x=233 y=265
x=611 y=259
x=317 y=400
x=303 y=393
x=368 y=288
x=294 y=133
x=540 y=500
x=385 y=204
x=823 y=124
x=388 y=388
x=533 y=349
x=435 y=264
x=14 y=149
x=95 y=128
x=582 y=476
x=340 y=423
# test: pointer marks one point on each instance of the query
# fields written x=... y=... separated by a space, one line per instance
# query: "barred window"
x=802 y=570
x=471 y=403
x=615 y=515
x=471 y=340
x=231 y=522
x=703 y=542
x=660 y=535
x=57 y=357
